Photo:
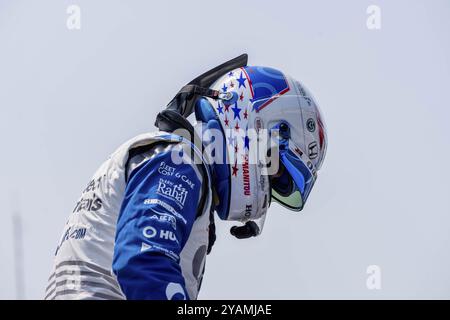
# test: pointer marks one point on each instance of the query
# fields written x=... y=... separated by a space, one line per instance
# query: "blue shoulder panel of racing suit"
x=156 y=218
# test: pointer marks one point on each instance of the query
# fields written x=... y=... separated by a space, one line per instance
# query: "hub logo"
x=168 y=235
x=248 y=210
x=151 y=232
x=313 y=150
x=175 y=192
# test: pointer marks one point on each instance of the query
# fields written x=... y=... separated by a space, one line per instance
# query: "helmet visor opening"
x=282 y=184
x=292 y=188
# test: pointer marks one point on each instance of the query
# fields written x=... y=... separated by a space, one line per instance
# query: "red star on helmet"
x=237 y=126
x=227 y=107
x=235 y=169
x=245 y=114
x=231 y=84
x=226 y=121
x=241 y=97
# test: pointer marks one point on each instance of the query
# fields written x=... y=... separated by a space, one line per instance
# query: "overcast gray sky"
x=68 y=98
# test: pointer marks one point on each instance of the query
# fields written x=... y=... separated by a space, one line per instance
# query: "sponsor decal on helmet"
x=313 y=150
x=258 y=124
x=312 y=168
x=262 y=182
x=311 y=125
x=298 y=151
x=300 y=88
x=246 y=176
x=248 y=210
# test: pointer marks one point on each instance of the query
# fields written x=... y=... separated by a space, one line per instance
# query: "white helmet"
x=264 y=98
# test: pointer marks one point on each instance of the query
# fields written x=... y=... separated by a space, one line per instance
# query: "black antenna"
x=207 y=79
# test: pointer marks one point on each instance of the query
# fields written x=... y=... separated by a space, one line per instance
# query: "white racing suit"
x=140 y=229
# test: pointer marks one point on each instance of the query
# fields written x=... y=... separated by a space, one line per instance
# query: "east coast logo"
x=170 y=190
